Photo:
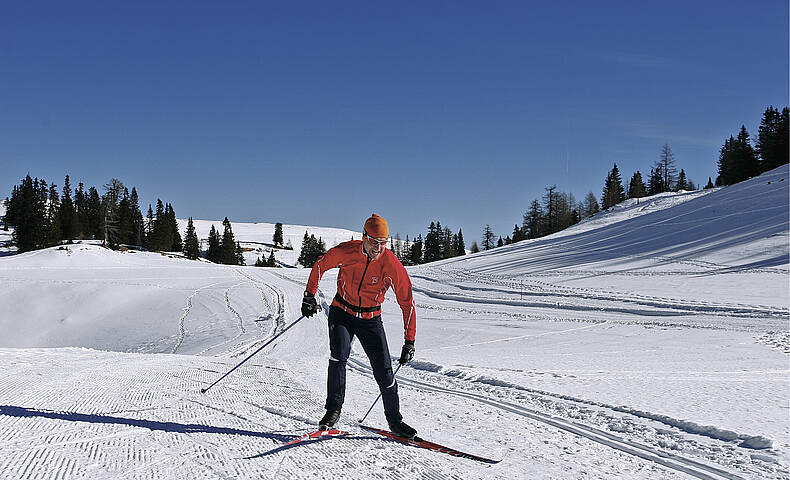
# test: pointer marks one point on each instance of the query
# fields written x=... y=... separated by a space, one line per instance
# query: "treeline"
x=43 y=216
x=739 y=160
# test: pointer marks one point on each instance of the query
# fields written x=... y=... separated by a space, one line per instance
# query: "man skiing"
x=367 y=271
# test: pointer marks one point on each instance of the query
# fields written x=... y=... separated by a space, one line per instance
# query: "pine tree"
x=681 y=184
x=125 y=218
x=228 y=245
x=534 y=220
x=460 y=246
x=636 y=187
x=747 y=162
x=149 y=229
x=613 y=191
x=68 y=227
x=550 y=219
x=709 y=184
x=137 y=236
x=191 y=242
x=214 y=251
x=415 y=255
x=500 y=242
x=590 y=205
x=271 y=262
x=278 y=234
x=94 y=215
x=772 y=139
x=260 y=262
x=474 y=248
x=54 y=233
x=81 y=213
x=488 y=238
x=175 y=235
x=159 y=232
x=239 y=255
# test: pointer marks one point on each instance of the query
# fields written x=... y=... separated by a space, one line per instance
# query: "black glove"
x=309 y=305
x=407 y=352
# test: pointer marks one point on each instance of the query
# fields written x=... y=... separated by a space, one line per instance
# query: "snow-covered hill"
x=257 y=238
x=651 y=341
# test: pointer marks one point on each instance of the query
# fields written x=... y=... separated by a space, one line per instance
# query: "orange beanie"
x=376 y=227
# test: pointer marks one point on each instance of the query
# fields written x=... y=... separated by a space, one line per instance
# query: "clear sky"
x=322 y=112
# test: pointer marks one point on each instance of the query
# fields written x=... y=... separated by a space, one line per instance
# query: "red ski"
x=419 y=442
x=318 y=434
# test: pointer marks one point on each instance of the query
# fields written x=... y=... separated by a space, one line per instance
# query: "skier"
x=367 y=271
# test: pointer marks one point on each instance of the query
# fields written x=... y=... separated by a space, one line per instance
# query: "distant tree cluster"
x=312 y=249
x=43 y=217
x=739 y=160
x=270 y=262
x=225 y=249
x=439 y=243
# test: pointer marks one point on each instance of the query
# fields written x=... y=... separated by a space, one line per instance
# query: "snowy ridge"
x=649 y=342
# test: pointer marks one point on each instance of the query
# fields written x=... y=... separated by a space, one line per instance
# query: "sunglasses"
x=377 y=241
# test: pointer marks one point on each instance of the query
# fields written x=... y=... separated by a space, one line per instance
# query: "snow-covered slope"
x=258 y=237
x=649 y=342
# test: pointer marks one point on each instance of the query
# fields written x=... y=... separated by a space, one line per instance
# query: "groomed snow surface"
x=651 y=341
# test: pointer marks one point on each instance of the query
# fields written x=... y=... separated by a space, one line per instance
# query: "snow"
x=650 y=341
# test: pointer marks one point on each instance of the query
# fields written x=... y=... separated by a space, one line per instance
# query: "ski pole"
x=204 y=390
x=377 y=398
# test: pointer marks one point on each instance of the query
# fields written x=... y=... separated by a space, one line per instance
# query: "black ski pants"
x=342 y=329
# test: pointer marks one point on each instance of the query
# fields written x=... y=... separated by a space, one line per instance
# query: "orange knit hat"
x=376 y=227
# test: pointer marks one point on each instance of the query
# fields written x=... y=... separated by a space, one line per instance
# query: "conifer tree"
x=214 y=251
x=175 y=235
x=613 y=191
x=709 y=184
x=415 y=255
x=517 y=232
x=68 y=228
x=278 y=234
x=53 y=234
x=772 y=139
x=260 y=262
x=149 y=229
x=488 y=238
x=138 y=230
x=500 y=242
x=125 y=226
x=239 y=255
x=95 y=215
x=228 y=245
x=81 y=212
x=636 y=187
x=682 y=183
x=271 y=262
x=159 y=232
x=460 y=246
x=474 y=248
x=191 y=242
x=534 y=220
x=590 y=205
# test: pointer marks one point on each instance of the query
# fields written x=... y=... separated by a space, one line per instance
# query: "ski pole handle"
x=204 y=390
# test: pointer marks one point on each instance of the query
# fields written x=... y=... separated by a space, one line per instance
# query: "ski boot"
x=401 y=429
x=329 y=420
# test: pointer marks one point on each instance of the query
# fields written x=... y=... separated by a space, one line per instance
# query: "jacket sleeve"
x=327 y=261
x=401 y=283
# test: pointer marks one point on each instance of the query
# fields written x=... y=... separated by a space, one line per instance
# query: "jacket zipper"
x=367 y=264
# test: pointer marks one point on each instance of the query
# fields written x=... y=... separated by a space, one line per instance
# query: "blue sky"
x=320 y=113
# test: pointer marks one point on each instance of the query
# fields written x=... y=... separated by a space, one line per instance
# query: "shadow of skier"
x=173 y=427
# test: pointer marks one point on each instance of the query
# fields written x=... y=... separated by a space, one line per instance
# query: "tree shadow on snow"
x=23 y=412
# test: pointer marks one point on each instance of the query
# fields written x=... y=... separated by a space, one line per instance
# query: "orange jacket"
x=363 y=282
